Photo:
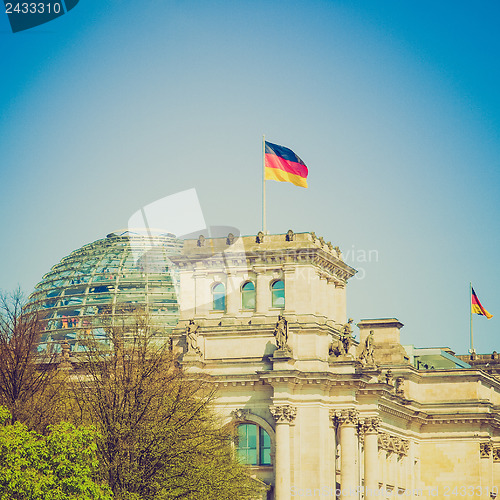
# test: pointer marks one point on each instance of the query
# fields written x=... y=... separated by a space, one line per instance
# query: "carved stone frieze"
x=240 y=414
x=496 y=454
x=404 y=446
x=485 y=450
x=348 y=416
x=393 y=444
x=283 y=413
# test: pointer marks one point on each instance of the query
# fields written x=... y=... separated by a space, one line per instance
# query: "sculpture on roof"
x=344 y=343
x=192 y=337
x=366 y=356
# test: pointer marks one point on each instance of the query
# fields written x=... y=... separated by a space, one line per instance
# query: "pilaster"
x=263 y=294
x=283 y=415
x=340 y=303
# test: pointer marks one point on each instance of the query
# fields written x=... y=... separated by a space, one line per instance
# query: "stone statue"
x=281 y=332
x=399 y=386
x=345 y=341
x=192 y=337
x=389 y=379
x=366 y=356
x=346 y=336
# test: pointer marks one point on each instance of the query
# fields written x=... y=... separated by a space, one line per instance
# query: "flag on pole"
x=283 y=165
x=477 y=308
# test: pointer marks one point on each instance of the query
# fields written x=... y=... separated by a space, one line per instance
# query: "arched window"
x=219 y=297
x=248 y=295
x=278 y=294
x=254 y=445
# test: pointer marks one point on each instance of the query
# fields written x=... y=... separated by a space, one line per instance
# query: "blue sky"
x=394 y=106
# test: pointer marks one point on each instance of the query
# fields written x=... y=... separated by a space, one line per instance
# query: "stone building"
x=319 y=414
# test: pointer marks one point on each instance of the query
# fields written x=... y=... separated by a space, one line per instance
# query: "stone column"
x=370 y=428
x=347 y=421
x=203 y=298
x=283 y=416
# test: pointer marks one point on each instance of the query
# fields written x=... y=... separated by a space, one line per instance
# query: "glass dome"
x=106 y=283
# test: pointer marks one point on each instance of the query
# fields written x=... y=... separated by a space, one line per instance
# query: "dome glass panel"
x=106 y=283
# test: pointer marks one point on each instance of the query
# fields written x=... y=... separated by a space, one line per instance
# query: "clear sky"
x=393 y=105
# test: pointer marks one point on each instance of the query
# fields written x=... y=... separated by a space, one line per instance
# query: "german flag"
x=283 y=165
x=477 y=308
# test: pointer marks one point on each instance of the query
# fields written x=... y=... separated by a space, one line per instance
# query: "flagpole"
x=471 y=335
x=264 y=184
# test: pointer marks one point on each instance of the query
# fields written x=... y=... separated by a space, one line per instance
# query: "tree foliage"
x=159 y=438
x=29 y=382
x=58 y=466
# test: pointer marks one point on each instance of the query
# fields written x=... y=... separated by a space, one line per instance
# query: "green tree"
x=159 y=437
x=59 y=466
x=29 y=382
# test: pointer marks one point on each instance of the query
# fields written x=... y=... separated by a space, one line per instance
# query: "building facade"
x=320 y=414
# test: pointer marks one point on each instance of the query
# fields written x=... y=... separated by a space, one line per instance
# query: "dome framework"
x=106 y=283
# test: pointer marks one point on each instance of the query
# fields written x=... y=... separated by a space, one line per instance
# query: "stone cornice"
x=270 y=257
x=380 y=323
x=325 y=378
x=256 y=325
x=390 y=410
x=455 y=375
x=452 y=419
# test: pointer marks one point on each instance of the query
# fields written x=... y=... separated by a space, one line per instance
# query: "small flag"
x=283 y=165
x=477 y=308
